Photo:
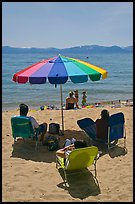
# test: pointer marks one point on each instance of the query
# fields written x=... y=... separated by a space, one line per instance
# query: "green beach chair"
x=78 y=159
x=22 y=127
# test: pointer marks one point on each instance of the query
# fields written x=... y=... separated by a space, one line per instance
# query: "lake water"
x=117 y=86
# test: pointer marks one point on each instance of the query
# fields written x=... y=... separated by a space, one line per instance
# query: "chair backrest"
x=81 y=158
x=116 y=126
x=21 y=127
x=89 y=126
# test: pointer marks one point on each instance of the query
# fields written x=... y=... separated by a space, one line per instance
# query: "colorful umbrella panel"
x=58 y=70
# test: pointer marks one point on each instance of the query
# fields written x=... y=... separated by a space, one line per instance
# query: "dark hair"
x=105 y=114
x=76 y=91
x=23 y=109
x=71 y=94
x=80 y=144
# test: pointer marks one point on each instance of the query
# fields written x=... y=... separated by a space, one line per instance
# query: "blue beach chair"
x=116 y=130
x=22 y=127
x=88 y=126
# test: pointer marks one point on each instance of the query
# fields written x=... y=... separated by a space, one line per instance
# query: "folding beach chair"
x=116 y=130
x=89 y=127
x=78 y=159
x=22 y=127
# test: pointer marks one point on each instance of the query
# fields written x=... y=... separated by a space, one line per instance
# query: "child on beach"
x=76 y=97
x=84 y=97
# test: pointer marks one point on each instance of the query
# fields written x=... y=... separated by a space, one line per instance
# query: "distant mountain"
x=78 y=49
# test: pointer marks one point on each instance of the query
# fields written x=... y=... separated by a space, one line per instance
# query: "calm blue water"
x=118 y=84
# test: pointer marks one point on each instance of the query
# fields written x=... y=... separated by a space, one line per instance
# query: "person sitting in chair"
x=102 y=125
x=64 y=152
x=42 y=127
x=70 y=101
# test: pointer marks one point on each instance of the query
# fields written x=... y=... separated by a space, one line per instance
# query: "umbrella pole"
x=62 y=109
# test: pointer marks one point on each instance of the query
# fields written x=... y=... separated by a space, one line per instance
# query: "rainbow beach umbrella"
x=58 y=70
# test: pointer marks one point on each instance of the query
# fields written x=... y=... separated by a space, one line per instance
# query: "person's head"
x=76 y=91
x=84 y=92
x=23 y=109
x=80 y=144
x=105 y=114
x=71 y=94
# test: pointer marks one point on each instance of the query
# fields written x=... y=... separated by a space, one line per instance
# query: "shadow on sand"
x=80 y=185
x=26 y=149
x=117 y=150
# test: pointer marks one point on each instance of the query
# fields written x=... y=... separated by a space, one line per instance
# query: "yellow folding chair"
x=78 y=159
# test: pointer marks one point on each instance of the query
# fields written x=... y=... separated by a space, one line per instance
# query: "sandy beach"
x=30 y=176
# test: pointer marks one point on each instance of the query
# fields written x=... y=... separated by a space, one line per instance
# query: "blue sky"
x=67 y=24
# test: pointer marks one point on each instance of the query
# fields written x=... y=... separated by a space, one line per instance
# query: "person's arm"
x=62 y=152
x=34 y=122
x=69 y=147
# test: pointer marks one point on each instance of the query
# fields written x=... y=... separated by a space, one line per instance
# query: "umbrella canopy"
x=58 y=70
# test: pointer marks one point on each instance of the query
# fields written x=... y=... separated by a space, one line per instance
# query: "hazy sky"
x=67 y=24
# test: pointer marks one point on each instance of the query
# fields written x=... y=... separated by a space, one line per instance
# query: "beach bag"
x=52 y=143
x=54 y=128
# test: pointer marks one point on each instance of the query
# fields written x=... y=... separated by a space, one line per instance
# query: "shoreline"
x=111 y=102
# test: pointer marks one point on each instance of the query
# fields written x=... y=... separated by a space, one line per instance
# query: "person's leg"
x=42 y=130
x=73 y=140
x=67 y=142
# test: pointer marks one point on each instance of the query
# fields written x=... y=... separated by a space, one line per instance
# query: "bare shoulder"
x=98 y=120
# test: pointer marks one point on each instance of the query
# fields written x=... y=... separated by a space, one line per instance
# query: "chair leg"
x=56 y=162
x=36 y=145
x=108 y=146
x=14 y=140
x=65 y=177
x=124 y=142
x=95 y=169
